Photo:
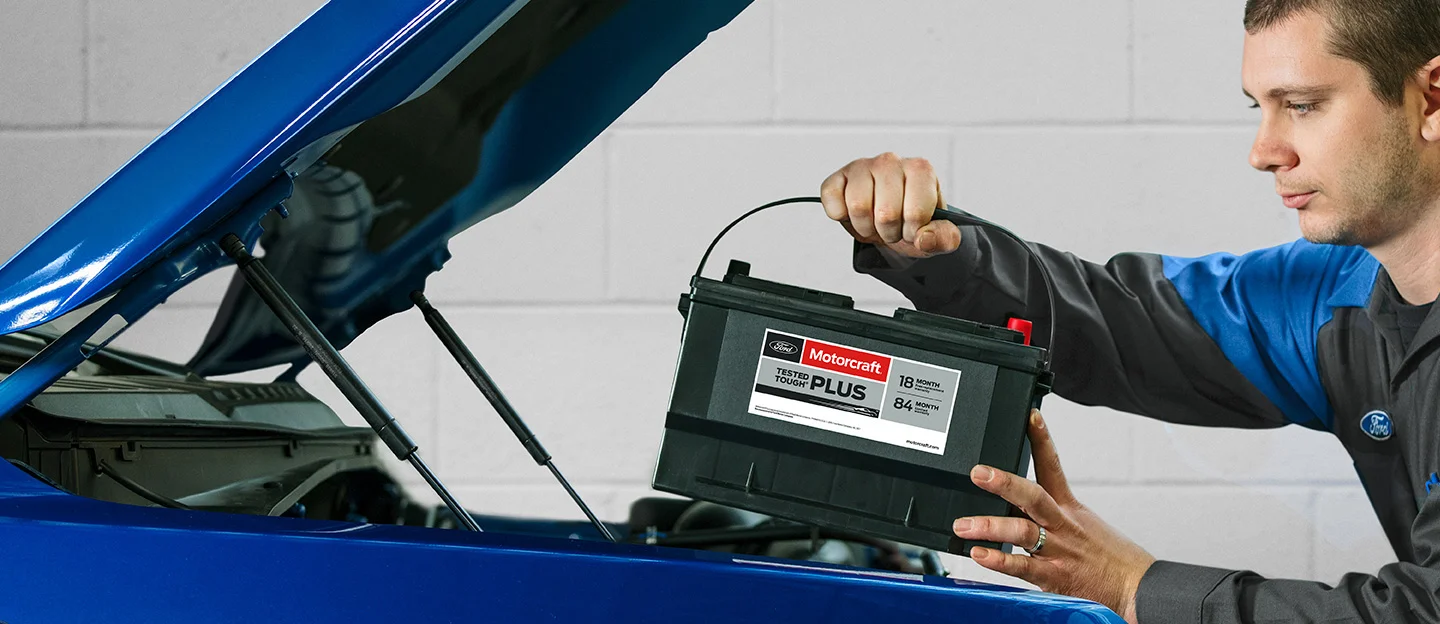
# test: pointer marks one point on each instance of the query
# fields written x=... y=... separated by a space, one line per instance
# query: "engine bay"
x=129 y=429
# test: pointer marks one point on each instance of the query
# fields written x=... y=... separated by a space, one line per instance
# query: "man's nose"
x=1272 y=151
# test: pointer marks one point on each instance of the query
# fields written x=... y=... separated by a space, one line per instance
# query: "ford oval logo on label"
x=780 y=346
x=1377 y=425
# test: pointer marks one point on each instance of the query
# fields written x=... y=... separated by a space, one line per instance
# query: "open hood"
x=351 y=150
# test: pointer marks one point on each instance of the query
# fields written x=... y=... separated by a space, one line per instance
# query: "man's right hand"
x=888 y=201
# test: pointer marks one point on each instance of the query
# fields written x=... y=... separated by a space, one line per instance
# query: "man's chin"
x=1325 y=231
x=1337 y=236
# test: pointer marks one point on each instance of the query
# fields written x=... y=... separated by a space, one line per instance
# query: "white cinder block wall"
x=1098 y=127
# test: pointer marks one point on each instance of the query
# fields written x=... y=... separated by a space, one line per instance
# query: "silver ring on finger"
x=1039 y=542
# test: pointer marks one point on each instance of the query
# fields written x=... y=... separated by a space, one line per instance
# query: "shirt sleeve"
x=1221 y=340
x=1176 y=593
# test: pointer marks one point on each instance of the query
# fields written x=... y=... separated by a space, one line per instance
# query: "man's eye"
x=1254 y=105
x=1301 y=108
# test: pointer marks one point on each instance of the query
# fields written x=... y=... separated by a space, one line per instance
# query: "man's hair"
x=1391 y=39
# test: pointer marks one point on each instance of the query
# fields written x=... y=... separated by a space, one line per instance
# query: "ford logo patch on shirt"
x=1377 y=425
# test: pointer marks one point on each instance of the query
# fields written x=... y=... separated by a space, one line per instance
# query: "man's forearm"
x=1175 y=593
x=1124 y=337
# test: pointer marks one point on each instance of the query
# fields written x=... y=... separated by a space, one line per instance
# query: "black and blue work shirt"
x=1304 y=334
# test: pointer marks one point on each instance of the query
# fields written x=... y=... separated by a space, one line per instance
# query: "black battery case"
x=716 y=448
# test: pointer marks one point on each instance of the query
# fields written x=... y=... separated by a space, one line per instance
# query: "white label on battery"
x=855 y=392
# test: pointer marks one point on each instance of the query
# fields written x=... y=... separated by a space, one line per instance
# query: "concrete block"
x=624 y=495
x=44 y=173
x=955 y=62
x=1187 y=61
x=1179 y=453
x=168 y=332
x=42 y=78
x=1348 y=535
x=1101 y=191
x=207 y=290
x=548 y=247
x=675 y=190
x=592 y=383
x=1265 y=529
x=525 y=501
x=727 y=79
x=1095 y=444
x=397 y=359
x=152 y=61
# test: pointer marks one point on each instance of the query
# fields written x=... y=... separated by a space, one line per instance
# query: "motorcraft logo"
x=782 y=347
x=846 y=360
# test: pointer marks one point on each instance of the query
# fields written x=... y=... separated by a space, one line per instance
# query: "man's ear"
x=1430 y=98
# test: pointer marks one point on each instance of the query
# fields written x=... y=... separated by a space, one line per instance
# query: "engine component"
x=789 y=402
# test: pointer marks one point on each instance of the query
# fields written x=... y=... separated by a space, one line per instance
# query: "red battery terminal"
x=1020 y=325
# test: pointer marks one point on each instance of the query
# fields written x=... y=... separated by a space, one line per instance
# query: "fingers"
x=890 y=190
x=921 y=198
x=890 y=200
x=1048 y=472
x=1022 y=493
x=832 y=196
x=1018 y=531
x=860 y=199
x=937 y=237
x=1018 y=566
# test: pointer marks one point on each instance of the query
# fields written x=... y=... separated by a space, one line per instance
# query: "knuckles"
x=885 y=211
x=981 y=526
x=1000 y=481
x=918 y=168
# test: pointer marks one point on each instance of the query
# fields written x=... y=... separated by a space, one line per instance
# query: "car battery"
x=788 y=401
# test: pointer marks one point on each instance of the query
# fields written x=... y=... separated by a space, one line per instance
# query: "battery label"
x=855 y=392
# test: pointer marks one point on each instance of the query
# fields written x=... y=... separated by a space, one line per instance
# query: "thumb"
x=937 y=237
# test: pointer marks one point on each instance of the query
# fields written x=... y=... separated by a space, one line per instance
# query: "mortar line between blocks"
x=587 y=307
x=1132 y=472
x=1212 y=484
x=437 y=360
x=609 y=191
x=877 y=126
x=1311 y=570
x=1131 y=61
x=85 y=55
x=952 y=170
x=607 y=215
x=60 y=130
x=775 y=60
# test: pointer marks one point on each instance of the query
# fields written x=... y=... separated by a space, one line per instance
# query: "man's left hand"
x=1082 y=555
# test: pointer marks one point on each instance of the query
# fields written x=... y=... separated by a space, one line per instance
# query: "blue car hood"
x=351 y=151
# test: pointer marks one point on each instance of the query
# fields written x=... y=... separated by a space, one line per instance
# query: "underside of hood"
x=352 y=151
x=370 y=221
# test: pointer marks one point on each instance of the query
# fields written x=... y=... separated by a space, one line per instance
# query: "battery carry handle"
x=960 y=217
x=954 y=215
x=948 y=213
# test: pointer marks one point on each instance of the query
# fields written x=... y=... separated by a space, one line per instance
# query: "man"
x=1332 y=332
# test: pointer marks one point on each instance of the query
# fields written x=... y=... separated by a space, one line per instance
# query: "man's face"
x=1349 y=163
